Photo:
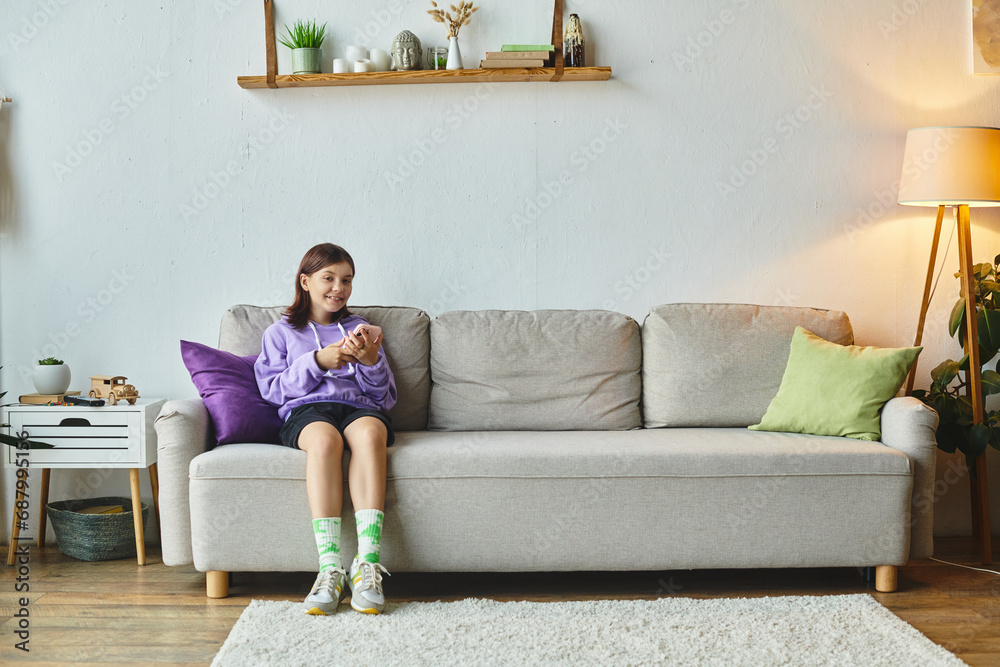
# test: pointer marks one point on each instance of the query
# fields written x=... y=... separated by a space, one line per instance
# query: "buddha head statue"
x=406 y=52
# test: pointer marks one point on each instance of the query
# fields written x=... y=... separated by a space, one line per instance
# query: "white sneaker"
x=326 y=593
x=366 y=587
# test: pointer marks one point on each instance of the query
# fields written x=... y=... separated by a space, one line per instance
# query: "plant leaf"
x=988 y=330
x=991 y=383
x=11 y=441
x=957 y=317
x=964 y=406
x=963 y=363
x=947 y=408
x=979 y=439
x=945 y=372
x=950 y=437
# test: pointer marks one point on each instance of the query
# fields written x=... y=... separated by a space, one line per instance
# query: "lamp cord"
x=944 y=259
x=967 y=567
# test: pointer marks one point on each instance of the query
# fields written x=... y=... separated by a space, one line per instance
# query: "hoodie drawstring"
x=319 y=346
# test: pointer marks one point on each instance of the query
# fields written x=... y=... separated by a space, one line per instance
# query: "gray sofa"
x=570 y=440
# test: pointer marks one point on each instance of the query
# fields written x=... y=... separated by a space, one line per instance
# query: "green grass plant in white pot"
x=305 y=40
x=51 y=376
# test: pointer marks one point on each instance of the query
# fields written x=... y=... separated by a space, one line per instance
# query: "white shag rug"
x=793 y=630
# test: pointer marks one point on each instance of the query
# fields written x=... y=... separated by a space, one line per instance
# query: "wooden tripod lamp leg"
x=978 y=483
x=927 y=296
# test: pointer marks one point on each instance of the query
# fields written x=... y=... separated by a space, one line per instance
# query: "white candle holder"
x=381 y=59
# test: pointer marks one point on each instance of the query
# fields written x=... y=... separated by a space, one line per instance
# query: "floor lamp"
x=960 y=167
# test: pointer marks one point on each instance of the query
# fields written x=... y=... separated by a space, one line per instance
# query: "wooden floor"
x=115 y=611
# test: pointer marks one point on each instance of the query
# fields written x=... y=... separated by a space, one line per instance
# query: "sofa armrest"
x=909 y=426
x=182 y=433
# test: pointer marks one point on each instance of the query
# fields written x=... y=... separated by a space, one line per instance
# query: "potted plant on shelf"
x=463 y=15
x=305 y=41
x=949 y=390
x=51 y=376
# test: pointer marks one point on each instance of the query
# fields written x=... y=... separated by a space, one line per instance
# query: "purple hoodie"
x=288 y=375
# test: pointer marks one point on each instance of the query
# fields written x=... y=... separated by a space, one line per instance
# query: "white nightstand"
x=111 y=436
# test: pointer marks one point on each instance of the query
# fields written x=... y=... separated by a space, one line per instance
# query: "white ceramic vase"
x=51 y=379
x=454 y=54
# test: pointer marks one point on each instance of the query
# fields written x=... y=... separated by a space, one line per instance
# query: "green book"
x=528 y=47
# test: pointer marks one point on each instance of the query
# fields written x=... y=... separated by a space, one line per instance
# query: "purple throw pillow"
x=228 y=386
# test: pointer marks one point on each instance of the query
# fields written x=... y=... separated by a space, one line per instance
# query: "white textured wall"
x=122 y=231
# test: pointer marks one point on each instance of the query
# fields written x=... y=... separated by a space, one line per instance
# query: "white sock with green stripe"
x=328 y=542
x=369 y=534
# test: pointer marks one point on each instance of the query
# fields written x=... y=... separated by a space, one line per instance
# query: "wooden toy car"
x=112 y=388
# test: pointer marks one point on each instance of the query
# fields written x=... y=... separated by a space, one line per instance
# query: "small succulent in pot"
x=51 y=376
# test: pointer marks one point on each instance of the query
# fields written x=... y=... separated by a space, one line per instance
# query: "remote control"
x=85 y=401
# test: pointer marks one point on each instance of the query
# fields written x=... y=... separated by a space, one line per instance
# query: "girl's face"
x=329 y=289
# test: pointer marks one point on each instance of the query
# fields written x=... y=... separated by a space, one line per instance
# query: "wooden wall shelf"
x=557 y=73
x=426 y=76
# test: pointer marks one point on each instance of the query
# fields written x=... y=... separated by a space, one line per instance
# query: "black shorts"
x=337 y=414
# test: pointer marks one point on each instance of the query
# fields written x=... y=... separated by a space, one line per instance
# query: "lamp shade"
x=951 y=166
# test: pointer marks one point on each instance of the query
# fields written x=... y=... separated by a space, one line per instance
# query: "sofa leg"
x=217 y=583
x=885 y=578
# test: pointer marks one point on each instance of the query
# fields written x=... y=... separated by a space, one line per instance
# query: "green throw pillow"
x=831 y=389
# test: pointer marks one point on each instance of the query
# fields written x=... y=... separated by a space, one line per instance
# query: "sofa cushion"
x=682 y=452
x=721 y=364
x=543 y=370
x=831 y=389
x=407 y=346
x=539 y=499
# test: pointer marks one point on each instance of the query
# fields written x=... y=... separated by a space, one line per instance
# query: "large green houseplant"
x=949 y=390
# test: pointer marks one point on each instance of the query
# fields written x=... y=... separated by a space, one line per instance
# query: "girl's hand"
x=363 y=347
x=334 y=356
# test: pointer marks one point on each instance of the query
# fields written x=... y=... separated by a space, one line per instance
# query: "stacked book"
x=519 y=55
x=42 y=399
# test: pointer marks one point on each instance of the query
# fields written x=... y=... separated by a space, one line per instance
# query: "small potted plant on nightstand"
x=305 y=40
x=51 y=376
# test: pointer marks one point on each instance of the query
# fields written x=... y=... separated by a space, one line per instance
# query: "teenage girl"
x=333 y=389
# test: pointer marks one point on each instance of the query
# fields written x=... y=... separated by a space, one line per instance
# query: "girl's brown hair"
x=316 y=258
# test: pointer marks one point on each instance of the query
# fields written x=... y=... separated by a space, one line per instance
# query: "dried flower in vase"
x=463 y=14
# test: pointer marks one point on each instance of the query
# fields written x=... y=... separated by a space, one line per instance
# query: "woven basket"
x=95 y=536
